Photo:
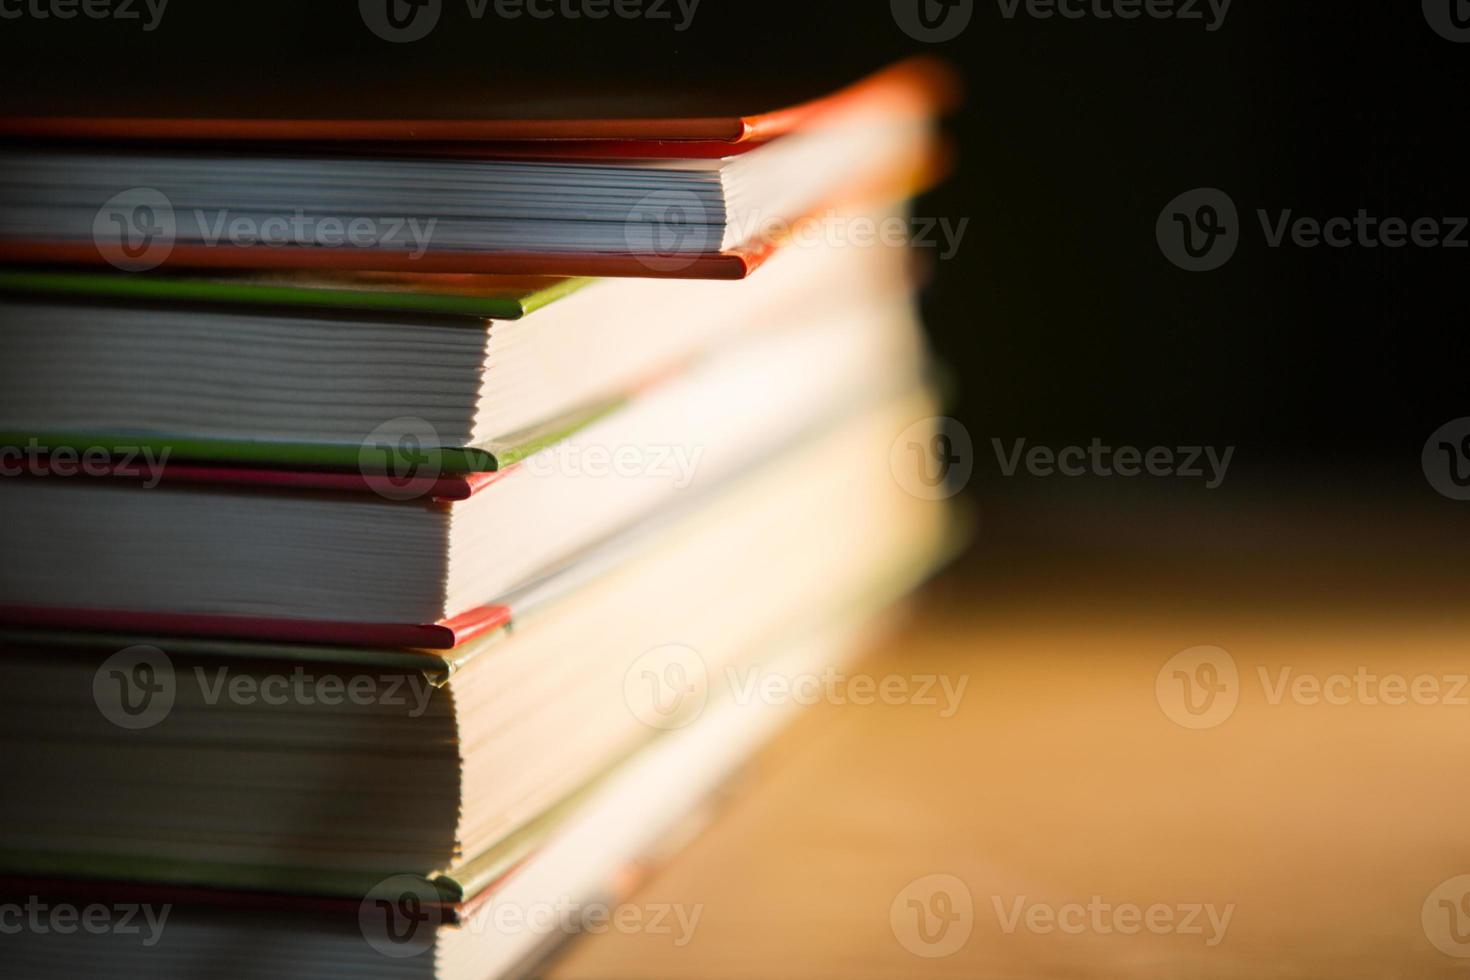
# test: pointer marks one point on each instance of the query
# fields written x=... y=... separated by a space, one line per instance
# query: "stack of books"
x=401 y=520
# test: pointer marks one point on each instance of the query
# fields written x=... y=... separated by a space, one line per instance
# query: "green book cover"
x=448 y=461
x=476 y=296
x=470 y=298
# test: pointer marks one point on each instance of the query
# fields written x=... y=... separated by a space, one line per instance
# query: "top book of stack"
x=542 y=186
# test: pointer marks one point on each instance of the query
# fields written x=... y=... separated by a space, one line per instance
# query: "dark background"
x=1059 y=318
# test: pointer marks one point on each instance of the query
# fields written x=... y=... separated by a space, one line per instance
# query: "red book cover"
x=444 y=635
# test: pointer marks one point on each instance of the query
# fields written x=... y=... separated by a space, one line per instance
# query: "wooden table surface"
x=1063 y=823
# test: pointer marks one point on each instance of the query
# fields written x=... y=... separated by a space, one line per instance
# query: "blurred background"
x=1324 y=548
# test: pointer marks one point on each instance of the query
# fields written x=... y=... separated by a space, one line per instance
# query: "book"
x=702 y=198
x=303 y=369
x=419 y=557
x=577 y=876
x=239 y=767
